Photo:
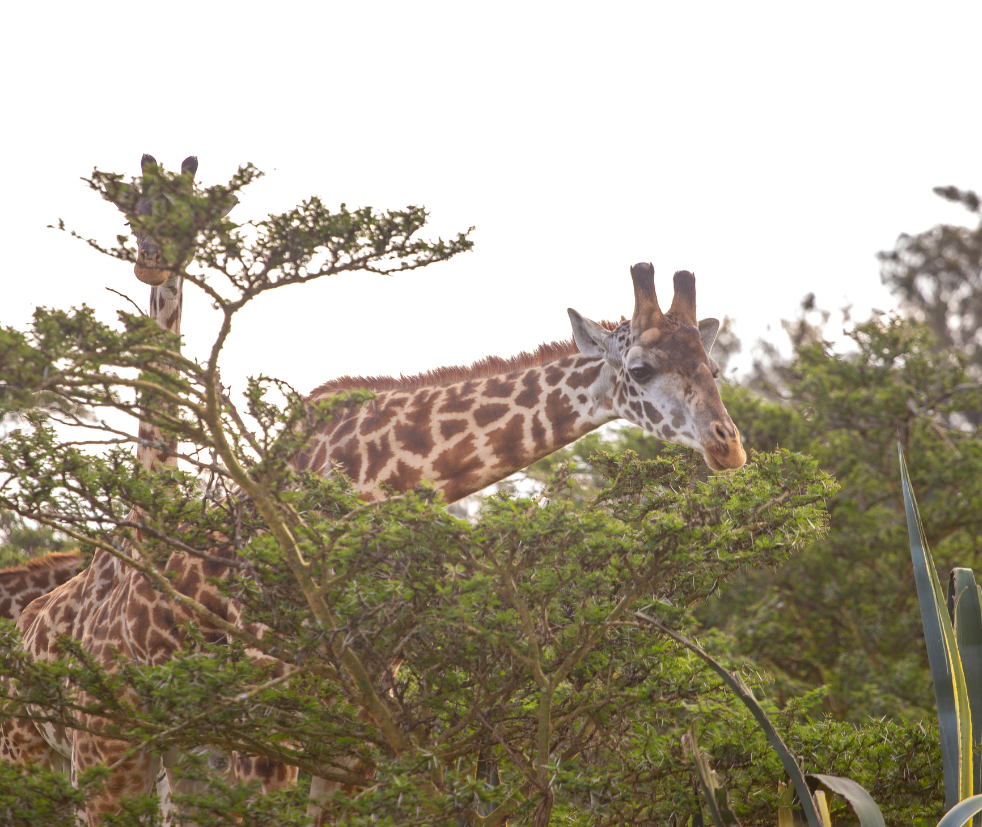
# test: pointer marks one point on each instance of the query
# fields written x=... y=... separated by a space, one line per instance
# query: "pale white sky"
x=772 y=148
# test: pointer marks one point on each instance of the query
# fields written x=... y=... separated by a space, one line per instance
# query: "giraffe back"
x=19 y=585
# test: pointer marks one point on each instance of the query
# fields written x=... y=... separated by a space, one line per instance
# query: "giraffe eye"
x=641 y=373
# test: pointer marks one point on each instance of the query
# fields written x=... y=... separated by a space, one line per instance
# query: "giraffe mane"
x=481 y=369
x=49 y=560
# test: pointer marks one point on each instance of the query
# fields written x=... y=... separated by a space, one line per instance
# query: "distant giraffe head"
x=660 y=375
x=150 y=267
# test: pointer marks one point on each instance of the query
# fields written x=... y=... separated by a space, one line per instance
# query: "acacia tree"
x=522 y=660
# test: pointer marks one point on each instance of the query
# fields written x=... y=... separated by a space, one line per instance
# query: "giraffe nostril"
x=720 y=432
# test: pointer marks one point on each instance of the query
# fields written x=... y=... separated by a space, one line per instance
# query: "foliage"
x=814 y=809
x=503 y=622
x=952 y=626
x=844 y=614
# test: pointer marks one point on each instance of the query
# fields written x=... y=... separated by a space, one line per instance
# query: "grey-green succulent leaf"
x=966 y=615
x=962 y=812
x=951 y=693
x=861 y=802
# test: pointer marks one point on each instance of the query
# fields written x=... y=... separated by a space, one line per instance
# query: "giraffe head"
x=150 y=267
x=659 y=373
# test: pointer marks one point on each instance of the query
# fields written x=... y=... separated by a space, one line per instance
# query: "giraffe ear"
x=229 y=208
x=593 y=339
x=708 y=328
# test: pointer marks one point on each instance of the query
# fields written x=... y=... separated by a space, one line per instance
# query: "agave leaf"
x=715 y=797
x=950 y=691
x=785 y=797
x=723 y=803
x=962 y=812
x=860 y=801
x=823 y=807
x=742 y=691
x=966 y=614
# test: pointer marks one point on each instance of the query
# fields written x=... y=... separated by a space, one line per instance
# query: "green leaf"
x=966 y=614
x=962 y=812
x=715 y=796
x=951 y=693
x=862 y=804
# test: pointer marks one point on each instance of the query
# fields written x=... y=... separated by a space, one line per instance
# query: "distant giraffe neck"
x=166 y=303
x=464 y=435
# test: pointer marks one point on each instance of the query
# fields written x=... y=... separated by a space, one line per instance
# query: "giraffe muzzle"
x=153 y=274
x=725 y=452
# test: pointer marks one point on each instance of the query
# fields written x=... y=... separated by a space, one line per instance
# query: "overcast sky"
x=772 y=149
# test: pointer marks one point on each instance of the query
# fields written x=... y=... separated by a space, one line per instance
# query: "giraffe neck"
x=166 y=303
x=466 y=435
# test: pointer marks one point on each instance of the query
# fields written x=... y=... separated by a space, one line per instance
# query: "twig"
x=944 y=436
x=139 y=309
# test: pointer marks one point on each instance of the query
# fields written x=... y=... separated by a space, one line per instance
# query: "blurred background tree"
x=844 y=613
x=937 y=275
